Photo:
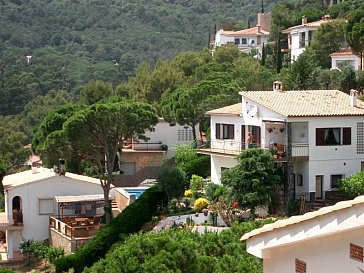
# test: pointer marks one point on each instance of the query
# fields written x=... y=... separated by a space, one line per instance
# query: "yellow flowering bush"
x=200 y=204
x=188 y=193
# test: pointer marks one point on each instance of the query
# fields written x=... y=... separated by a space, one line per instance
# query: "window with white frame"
x=46 y=206
x=224 y=131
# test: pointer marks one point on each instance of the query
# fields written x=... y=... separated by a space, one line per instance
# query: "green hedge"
x=129 y=221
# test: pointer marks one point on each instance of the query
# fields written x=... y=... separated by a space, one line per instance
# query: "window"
x=244 y=41
x=360 y=138
x=299 y=132
x=333 y=136
x=300 y=266
x=299 y=180
x=237 y=41
x=356 y=252
x=185 y=135
x=362 y=166
x=46 y=206
x=335 y=180
x=224 y=131
x=302 y=40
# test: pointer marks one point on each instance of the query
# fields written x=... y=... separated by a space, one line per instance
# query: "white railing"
x=300 y=149
x=235 y=147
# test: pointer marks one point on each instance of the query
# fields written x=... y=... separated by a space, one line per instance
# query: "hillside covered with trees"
x=72 y=42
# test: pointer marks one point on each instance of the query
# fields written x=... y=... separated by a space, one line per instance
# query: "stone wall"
x=58 y=240
x=122 y=200
x=143 y=159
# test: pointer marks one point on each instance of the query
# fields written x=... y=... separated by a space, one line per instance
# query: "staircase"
x=114 y=209
x=331 y=198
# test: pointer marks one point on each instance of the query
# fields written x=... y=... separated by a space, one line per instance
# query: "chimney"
x=278 y=86
x=264 y=20
x=258 y=26
x=304 y=20
x=326 y=17
x=353 y=98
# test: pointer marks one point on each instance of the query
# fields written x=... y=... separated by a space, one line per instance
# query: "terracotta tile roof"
x=307 y=216
x=230 y=110
x=248 y=31
x=346 y=51
x=315 y=24
x=306 y=103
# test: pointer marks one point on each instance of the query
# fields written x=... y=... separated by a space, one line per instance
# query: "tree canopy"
x=253 y=180
x=95 y=133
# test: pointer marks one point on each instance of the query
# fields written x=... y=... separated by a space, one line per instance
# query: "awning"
x=80 y=198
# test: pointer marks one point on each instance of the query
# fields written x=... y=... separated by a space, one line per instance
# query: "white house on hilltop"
x=300 y=36
x=345 y=56
x=318 y=132
x=245 y=39
x=329 y=240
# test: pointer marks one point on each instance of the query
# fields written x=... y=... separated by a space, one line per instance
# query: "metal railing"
x=143 y=146
x=16 y=219
x=235 y=147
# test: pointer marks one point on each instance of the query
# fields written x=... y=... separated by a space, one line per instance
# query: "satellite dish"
x=253 y=109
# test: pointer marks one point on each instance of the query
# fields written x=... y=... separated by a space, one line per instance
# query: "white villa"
x=318 y=132
x=300 y=36
x=329 y=240
x=345 y=56
x=30 y=202
x=245 y=39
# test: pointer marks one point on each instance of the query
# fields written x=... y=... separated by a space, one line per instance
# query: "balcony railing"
x=144 y=146
x=234 y=148
x=75 y=227
x=16 y=219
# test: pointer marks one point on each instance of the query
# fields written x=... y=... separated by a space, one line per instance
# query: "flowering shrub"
x=200 y=204
x=188 y=193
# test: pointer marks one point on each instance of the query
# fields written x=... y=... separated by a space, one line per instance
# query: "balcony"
x=14 y=223
x=75 y=227
x=144 y=146
x=233 y=148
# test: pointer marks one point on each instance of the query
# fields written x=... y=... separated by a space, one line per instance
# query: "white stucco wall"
x=36 y=226
x=217 y=162
x=168 y=135
x=296 y=50
x=336 y=60
x=329 y=254
x=333 y=159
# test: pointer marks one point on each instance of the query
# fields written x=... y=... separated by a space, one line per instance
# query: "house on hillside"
x=300 y=36
x=245 y=39
x=317 y=135
x=345 y=56
x=30 y=202
x=141 y=160
x=329 y=240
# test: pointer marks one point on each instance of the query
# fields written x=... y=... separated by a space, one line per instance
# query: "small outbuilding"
x=329 y=240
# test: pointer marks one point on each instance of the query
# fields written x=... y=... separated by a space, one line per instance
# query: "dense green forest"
x=74 y=41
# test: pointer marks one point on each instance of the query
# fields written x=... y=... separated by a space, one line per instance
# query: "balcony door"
x=243 y=138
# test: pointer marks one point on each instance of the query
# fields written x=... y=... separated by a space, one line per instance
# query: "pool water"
x=136 y=192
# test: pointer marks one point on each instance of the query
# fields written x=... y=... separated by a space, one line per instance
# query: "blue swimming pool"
x=136 y=192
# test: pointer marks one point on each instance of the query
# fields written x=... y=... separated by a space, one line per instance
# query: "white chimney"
x=353 y=98
x=278 y=86
x=304 y=20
